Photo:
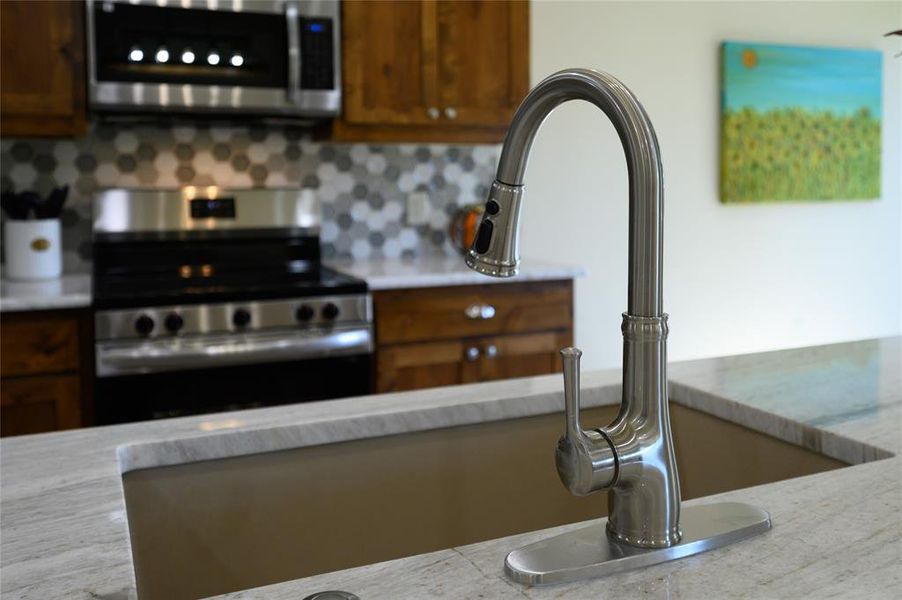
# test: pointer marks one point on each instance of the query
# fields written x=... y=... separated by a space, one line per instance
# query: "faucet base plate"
x=589 y=552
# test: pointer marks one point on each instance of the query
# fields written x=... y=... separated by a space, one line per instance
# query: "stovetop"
x=194 y=270
x=191 y=285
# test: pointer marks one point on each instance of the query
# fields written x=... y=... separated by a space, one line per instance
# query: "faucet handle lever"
x=570 y=358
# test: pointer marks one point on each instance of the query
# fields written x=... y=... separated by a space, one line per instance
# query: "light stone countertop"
x=835 y=534
x=74 y=290
x=68 y=291
x=439 y=271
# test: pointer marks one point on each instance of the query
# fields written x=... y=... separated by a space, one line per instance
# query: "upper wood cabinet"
x=42 y=75
x=442 y=71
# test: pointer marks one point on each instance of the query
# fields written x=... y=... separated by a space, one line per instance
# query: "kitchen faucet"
x=633 y=457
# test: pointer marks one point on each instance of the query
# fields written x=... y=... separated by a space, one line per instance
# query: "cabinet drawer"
x=430 y=364
x=36 y=404
x=32 y=344
x=456 y=312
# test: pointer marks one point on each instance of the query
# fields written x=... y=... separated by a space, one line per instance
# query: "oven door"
x=267 y=57
x=154 y=380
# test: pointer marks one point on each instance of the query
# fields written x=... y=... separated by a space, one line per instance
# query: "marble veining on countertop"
x=436 y=271
x=836 y=533
x=68 y=291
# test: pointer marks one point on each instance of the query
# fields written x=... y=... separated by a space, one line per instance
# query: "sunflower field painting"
x=799 y=123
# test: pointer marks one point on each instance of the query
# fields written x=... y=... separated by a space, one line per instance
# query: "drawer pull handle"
x=472 y=353
x=491 y=351
x=482 y=312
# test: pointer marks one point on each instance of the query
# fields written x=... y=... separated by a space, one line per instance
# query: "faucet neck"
x=646 y=181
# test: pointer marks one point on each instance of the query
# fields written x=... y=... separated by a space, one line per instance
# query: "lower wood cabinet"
x=45 y=371
x=43 y=403
x=467 y=334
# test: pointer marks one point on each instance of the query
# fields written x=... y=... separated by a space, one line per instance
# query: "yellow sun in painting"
x=749 y=59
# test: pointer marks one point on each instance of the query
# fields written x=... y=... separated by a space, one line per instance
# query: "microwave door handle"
x=294 y=52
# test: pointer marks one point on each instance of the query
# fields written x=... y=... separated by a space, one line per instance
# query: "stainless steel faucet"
x=632 y=457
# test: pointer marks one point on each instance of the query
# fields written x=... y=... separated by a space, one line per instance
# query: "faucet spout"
x=495 y=251
x=632 y=457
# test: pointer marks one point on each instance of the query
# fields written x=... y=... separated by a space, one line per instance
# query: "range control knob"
x=174 y=322
x=330 y=311
x=304 y=313
x=144 y=325
x=241 y=318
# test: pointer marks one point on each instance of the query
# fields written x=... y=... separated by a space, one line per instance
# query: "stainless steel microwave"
x=259 y=57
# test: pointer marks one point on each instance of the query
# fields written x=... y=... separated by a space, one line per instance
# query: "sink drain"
x=333 y=595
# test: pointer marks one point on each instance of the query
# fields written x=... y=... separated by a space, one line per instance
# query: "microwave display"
x=213 y=208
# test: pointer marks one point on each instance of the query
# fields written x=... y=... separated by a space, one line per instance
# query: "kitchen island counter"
x=65 y=533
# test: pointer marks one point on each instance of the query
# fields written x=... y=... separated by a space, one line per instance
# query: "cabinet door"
x=388 y=62
x=37 y=404
x=38 y=343
x=504 y=357
x=41 y=68
x=415 y=366
x=483 y=60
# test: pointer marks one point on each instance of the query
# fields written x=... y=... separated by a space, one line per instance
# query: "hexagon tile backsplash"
x=362 y=188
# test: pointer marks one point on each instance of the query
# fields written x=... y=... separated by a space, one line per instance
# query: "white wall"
x=737 y=278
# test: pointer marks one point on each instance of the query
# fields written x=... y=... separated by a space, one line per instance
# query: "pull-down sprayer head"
x=496 y=249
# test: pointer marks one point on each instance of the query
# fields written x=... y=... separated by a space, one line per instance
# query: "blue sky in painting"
x=817 y=79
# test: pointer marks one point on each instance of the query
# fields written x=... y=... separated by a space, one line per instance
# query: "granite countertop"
x=387 y=274
x=68 y=291
x=835 y=534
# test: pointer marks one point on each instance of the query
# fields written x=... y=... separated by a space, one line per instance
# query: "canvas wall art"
x=799 y=123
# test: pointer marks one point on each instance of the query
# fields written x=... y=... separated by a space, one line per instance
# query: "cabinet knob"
x=491 y=351
x=482 y=312
x=451 y=112
x=472 y=353
x=433 y=113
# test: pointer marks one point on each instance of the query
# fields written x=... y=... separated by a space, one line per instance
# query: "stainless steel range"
x=210 y=300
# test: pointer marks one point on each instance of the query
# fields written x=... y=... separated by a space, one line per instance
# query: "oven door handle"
x=177 y=355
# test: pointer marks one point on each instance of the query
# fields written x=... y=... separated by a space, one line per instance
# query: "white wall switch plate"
x=417 y=208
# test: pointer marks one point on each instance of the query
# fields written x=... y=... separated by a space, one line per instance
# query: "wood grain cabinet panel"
x=483 y=68
x=386 y=78
x=38 y=343
x=455 y=312
x=46 y=371
x=437 y=336
x=38 y=404
x=42 y=75
x=441 y=71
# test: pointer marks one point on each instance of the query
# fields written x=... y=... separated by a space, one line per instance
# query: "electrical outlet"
x=417 y=208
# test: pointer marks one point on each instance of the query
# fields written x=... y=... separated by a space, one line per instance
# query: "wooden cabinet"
x=45 y=371
x=42 y=75
x=442 y=71
x=445 y=336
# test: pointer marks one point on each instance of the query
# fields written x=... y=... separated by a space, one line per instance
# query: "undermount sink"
x=212 y=527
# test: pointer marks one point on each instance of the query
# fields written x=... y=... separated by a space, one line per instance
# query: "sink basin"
x=213 y=527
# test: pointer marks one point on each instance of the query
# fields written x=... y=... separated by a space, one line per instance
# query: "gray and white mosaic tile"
x=362 y=187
